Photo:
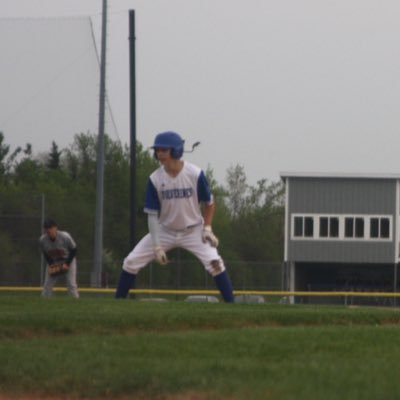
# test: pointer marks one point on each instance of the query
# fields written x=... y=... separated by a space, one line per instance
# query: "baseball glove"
x=58 y=269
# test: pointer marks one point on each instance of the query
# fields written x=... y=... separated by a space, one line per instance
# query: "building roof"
x=341 y=175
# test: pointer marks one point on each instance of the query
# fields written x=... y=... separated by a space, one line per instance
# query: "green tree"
x=257 y=213
x=80 y=157
x=4 y=150
x=54 y=157
x=237 y=188
x=8 y=160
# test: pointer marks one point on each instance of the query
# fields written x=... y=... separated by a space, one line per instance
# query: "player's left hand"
x=208 y=236
x=58 y=269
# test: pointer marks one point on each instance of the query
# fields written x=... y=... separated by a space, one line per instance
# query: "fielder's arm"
x=72 y=254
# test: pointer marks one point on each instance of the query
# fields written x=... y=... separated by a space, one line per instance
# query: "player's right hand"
x=208 y=236
x=161 y=256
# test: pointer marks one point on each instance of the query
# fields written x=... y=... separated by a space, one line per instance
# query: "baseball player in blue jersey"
x=175 y=193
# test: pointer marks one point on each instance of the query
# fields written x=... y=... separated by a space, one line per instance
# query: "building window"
x=298 y=226
x=359 y=229
x=379 y=228
x=385 y=228
x=349 y=227
x=333 y=227
x=374 y=228
x=323 y=227
x=308 y=227
x=304 y=226
x=353 y=227
x=328 y=227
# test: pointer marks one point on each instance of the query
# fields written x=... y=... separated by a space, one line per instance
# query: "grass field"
x=100 y=348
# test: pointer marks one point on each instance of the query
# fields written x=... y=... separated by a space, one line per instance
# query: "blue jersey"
x=177 y=199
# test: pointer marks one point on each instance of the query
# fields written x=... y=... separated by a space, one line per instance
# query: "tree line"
x=61 y=183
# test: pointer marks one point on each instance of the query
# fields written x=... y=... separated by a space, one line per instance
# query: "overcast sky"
x=288 y=85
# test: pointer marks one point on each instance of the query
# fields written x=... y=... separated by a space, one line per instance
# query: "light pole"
x=98 y=245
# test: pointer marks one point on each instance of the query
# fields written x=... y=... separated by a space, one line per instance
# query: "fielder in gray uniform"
x=59 y=250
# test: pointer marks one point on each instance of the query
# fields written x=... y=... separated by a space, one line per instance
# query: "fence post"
x=43 y=213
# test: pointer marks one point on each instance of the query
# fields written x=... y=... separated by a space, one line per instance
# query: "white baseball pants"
x=189 y=239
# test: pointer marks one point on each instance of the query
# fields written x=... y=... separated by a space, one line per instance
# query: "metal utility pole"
x=132 y=76
x=98 y=245
x=43 y=213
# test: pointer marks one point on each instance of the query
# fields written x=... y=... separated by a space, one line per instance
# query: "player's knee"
x=216 y=267
x=130 y=266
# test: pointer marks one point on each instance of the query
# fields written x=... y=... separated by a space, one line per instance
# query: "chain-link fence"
x=22 y=264
x=187 y=274
x=20 y=258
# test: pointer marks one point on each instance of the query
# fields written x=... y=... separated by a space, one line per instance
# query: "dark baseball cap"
x=49 y=223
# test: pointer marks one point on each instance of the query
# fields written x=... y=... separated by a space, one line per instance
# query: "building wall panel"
x=341 y=196
x=337 y=195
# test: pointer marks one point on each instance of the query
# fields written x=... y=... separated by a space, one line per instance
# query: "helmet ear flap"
x=171 y=151
x=177 y=151
x=174 y=154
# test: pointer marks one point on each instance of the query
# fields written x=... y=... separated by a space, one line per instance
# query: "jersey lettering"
x=176 y=194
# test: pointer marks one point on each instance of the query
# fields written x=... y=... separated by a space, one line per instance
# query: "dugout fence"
x=177 y=282
x=22 y=264
x=22 y=267
x=185 y=275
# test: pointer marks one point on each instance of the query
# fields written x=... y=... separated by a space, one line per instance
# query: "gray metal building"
x=341 y=231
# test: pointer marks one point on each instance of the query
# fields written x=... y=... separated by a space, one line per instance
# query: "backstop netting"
x=49 y=81
x=49 y=92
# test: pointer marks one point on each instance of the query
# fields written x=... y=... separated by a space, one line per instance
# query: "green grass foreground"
x=100 y=348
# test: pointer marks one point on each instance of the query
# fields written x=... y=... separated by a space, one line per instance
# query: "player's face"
x=163 y=154
x=52 y=232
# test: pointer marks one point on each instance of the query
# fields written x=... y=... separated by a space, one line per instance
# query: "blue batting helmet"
x=169 y=140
